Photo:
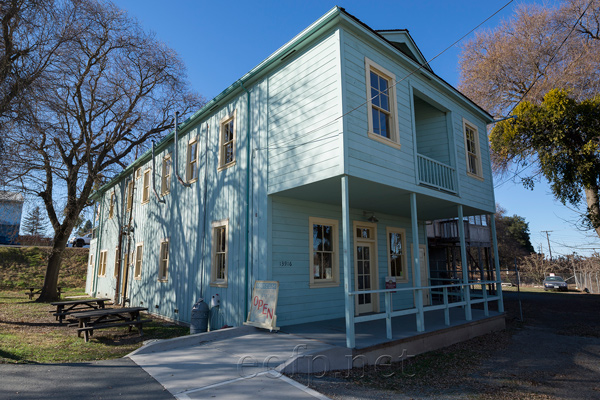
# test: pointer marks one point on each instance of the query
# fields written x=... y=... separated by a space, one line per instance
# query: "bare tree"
x=115 y=89
x=539 y=49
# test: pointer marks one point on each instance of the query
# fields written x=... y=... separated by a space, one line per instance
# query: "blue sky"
x=221 y=41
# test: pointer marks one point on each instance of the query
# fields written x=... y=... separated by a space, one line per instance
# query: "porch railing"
x=436 y=174
x=467 y=300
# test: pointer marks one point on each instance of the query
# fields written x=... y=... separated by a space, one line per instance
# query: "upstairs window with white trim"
x=324 y=262
x=227 y=142
x=129 y=194
x=167 y=169
x=111 y=207
x=396 y=248
x=192 y=160
x=381 y=100
x=163 y=262
x=139 y=254
x=472 y=150
x=219 y=256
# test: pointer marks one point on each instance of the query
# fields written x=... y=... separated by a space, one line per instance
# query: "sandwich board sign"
x=263 y=305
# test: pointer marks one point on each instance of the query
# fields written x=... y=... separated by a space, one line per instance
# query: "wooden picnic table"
x=69 y=307
x=109 y=318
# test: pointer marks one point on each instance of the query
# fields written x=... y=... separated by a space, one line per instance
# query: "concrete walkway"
x=237 y=363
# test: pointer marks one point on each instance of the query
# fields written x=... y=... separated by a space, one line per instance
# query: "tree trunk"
x=593 y=207
x=50 y=290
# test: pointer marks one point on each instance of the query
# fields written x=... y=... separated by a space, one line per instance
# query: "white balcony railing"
x=436 y=174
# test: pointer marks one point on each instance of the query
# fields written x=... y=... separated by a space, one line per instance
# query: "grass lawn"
x=30 y=334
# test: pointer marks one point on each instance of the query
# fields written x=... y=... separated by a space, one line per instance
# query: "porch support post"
x=497 y=264
x=417 y=267
x=346 y=232
x=464 y=263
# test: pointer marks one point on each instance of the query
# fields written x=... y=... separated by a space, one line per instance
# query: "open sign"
x=263 y=305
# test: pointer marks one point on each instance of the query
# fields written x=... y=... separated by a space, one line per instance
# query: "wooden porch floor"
x=373 y=333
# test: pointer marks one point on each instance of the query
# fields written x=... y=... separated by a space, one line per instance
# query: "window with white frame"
x=139 y=254
x=129 y=194
x=138 y=173
x=165 y=186
x=381 y=98
x=227 y=142
x=163 y=262
x=472 y=150
x=219 y=256
x=396 y=248
x=102 y=263
x=192 y=160
x=146 y=187
x=111 y=207
x=324 y=263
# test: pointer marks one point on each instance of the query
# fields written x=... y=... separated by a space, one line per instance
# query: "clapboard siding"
x=290 y=244
x=431 y=131
x=303 y=100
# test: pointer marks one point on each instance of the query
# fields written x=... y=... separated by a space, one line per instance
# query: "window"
x=111 y=208
x=129 y=195
x=163 y=262
x=139 y=253
x=324 y=268
x=165 y=187
x=227 y=142
x=472 y=150
x=220 y=247
x=192 y=160
x=102 y=266
x=396 y=245
x=138 y=173
x=146 y=188
x=381 y=99
x=116 y=271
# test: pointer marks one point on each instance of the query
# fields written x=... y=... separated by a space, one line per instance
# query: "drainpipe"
x=98 y=245
x=160 y=200
x=247 y=197
x=175 y=152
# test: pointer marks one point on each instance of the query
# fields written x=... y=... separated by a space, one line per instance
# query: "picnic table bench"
x=109 y=318
x=33 y=291
x=69 y=307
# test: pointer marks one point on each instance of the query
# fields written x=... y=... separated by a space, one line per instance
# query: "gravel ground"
x=553 y=354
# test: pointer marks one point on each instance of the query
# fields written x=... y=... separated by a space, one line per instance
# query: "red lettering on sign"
x=270 y=313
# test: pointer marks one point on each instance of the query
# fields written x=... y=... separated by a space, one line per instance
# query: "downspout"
x=247 y=198
x=98 y=245
x=160 y=200
x=175 y=152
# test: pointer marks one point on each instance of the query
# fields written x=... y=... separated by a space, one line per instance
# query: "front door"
x=365 y=267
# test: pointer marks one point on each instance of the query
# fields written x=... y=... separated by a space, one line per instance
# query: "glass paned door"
x=364 y=276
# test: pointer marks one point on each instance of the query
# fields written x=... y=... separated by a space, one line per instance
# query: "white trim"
x=478 y=166
x=165 y=187
x=335 y=273
x=164 y=277
x=213 y=272
x=146 y=194
x=188 y=170
x=401 y=231
x=394 y=139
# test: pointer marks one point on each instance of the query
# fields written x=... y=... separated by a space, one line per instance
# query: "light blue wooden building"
x=317 y=169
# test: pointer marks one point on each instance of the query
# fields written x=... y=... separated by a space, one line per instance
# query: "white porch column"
x=346 y=232
x=497 y=264
x=416 y=264
x=464 y=263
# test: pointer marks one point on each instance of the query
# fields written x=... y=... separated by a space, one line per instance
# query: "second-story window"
x=472 y=151
x=111 y=208
x=166 y=175
x=227 y=142
x=192 y=160
x=381 y=98
x=129 y=194
x=146 y=187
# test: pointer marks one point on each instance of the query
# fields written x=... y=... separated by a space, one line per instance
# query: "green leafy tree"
x=513 y=237
x=561 y=136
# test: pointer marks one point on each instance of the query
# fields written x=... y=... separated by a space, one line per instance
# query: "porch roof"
x=377 y=197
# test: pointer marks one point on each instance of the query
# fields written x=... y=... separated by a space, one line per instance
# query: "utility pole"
x=548 y=238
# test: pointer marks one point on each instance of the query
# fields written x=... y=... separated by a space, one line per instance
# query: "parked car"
x=556 y=283
x=80 y=241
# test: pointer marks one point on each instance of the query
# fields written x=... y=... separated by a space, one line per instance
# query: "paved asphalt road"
x=111 y=379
